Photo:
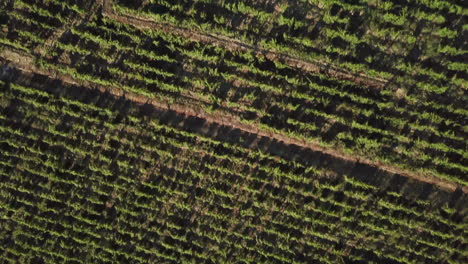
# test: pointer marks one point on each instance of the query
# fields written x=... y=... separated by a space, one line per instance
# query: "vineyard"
x=305 y=131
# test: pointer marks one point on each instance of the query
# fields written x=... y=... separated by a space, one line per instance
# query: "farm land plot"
x=157 y=131
x=315 y=107
x=89 y=171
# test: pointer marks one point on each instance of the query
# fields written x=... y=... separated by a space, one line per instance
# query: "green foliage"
x=91 y=177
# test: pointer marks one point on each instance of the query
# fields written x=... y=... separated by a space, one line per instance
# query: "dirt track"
x=236 y=45
x=23 y=63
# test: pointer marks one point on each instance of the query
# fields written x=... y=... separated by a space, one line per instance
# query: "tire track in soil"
x=236 y=45
x=23 y=63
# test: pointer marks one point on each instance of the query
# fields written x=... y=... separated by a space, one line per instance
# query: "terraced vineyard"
x=227 y=131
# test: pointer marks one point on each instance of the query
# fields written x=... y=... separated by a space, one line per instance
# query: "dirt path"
x=236 y=45
x=24 y=63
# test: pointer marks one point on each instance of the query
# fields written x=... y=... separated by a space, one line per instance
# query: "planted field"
x=256 y=132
